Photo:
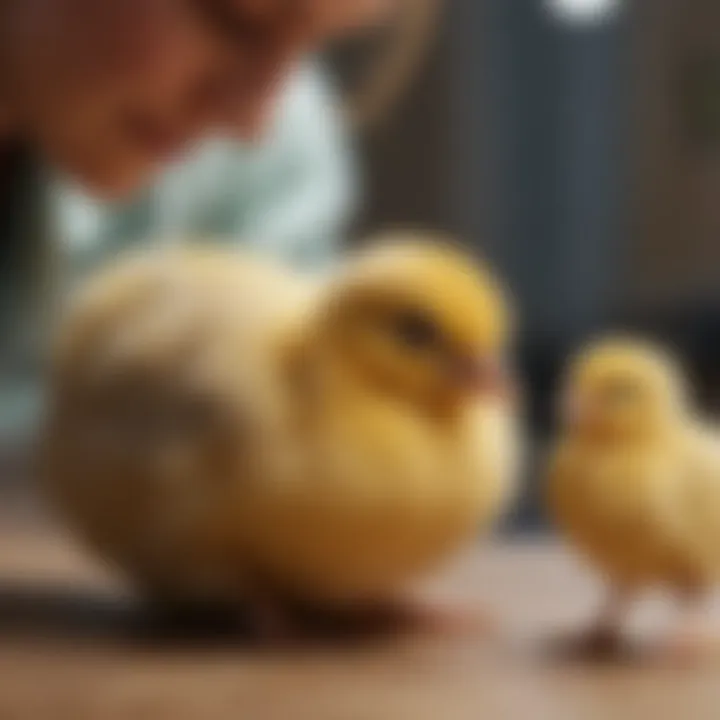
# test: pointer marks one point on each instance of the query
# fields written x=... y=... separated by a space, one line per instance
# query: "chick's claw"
x=601 y=643
x=695 y=641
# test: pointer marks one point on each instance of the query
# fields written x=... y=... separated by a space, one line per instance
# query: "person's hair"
x=393 y=65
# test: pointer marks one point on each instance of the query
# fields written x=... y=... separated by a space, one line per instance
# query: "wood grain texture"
x=68 y=651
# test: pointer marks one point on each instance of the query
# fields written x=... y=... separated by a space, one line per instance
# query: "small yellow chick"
x=226 y=431
x=634 y=481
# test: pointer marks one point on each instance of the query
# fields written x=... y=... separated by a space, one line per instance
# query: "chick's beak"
x=484 y=376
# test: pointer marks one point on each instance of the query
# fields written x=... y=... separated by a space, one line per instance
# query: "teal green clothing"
x=292 y=195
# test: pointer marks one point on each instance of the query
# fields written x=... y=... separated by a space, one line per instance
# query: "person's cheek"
x=115 y=35
x=150 y=47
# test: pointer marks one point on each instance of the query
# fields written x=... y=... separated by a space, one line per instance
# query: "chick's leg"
x=697 y=633
x=605 y=636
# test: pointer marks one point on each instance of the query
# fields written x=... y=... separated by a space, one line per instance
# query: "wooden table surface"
x=66 y=653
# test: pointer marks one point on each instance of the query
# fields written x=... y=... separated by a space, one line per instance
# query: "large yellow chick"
x=635 y=482
x=224 y=430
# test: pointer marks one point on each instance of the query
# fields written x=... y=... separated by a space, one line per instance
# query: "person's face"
x=110 y=89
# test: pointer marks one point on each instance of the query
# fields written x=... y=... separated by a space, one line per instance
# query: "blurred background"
x=574 y=142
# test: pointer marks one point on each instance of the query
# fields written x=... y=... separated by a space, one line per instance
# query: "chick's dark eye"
x=416 y=330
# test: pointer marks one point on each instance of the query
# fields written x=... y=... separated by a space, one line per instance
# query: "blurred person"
x=98 y=97
x=110 y=90
x=290 y=194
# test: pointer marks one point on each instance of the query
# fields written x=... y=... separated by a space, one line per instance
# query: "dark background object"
x=580 y=158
